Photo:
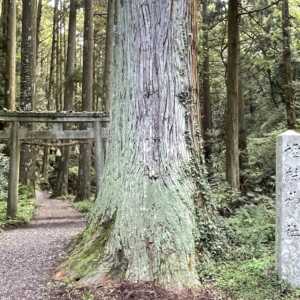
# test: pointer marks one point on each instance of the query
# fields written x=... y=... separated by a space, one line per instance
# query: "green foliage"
x=244 y=231
x=3 y=176
x=26 y=208
x=211 y=235
x=252 y=279
x=254 y=230
x=247 y=271
x=84 y=206
x=262 y=161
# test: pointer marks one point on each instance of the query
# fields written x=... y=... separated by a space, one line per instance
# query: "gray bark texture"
x=144 y=218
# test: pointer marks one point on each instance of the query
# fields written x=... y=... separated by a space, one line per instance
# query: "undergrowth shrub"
x=26 y=208
x=4 y=165
x=238 y=238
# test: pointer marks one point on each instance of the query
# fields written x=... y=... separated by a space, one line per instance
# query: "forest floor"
x=132 y=291
x=30 y=254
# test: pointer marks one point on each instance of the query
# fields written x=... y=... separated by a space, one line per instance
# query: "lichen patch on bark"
x=146 y=196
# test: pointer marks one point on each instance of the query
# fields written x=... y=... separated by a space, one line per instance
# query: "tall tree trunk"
x=10 y=89
x=196 y=128
x=232 y=109
x=57 y=64
x=38 y=26
x=28 y=82
x=71 y=56
x=62 y=178
x=207 y=116
x=107 y=90
x=143 y=223
x=243 y=145
x=61 y=55
x=87 y=100
x=3 y=52
x=287 y=75
x=51 y=87
x=52 y=60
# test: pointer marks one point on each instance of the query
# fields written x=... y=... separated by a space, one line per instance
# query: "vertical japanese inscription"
x=288 y=207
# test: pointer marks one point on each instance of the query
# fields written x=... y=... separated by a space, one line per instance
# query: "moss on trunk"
x=146 y=197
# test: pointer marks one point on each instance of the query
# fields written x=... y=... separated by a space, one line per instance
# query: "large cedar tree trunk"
x=84 y=176
x=143 y=222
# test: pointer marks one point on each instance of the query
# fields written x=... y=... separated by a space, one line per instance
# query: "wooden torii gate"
x=16 y=134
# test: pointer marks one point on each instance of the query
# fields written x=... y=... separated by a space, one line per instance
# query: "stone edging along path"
x=29 y=255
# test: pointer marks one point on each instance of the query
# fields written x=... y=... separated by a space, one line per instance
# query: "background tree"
x=287 y=74
x=3 y=48
x=10 y=53
x=28 y=81
x=232 y=109
x=62 y=182
x=84 y=178
x=108 y=63
x=206 y=116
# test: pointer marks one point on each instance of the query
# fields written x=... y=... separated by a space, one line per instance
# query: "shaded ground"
x=129 y=291
x=29 y=255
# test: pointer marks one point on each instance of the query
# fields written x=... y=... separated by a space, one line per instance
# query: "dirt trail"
x=29 y=255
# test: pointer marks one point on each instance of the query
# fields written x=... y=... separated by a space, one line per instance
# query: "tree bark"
x=207 y=115
x=11 y=48
x=28 y=82
x=195 y=109
x=38 y=26
x=143 y=222
x=232 y=109
x=3 y=52
x=28 y=55
x=84 y=188
x=52 y=60
x=57 y=64
x=109 y=44
x=287 y=75
x=51 y=87
x=62 y=178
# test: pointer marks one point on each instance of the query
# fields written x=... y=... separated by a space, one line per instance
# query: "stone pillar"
x=288 y=207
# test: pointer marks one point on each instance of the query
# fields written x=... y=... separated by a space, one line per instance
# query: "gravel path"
x=29 y=255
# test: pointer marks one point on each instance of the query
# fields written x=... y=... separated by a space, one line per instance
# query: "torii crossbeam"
x=17 y=135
